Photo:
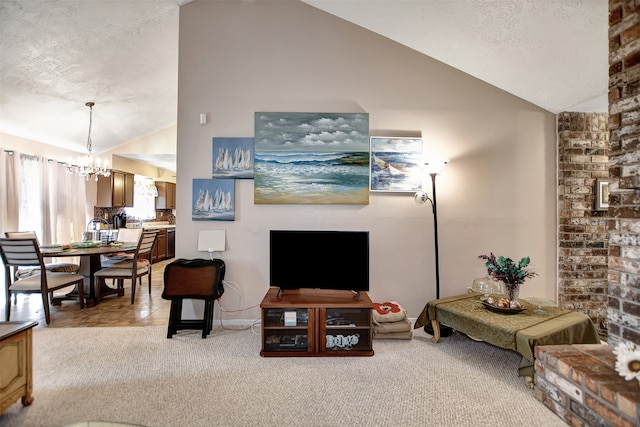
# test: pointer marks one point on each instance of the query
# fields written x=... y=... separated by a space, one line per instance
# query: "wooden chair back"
x=131 y=269
x=25 y=252
x=20 y=235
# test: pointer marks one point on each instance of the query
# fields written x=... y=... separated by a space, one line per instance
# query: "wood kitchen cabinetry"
x=16 y=362
x=171 y=243
x=160 y=248
x=116 y=190
x=311 y=322
x=165 y=247
x=166 y=195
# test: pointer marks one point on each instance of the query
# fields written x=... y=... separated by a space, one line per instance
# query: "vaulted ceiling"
x=55 y=55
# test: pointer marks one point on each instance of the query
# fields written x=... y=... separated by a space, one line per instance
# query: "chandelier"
x=89 y=165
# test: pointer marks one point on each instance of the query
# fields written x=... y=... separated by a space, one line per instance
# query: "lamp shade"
x=435 y=166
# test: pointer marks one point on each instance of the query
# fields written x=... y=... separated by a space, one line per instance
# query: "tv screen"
x=319 y=259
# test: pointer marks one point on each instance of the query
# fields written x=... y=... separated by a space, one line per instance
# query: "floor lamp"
x=433 y=168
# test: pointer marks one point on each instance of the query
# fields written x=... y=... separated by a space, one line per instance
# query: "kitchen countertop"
x=152 y=225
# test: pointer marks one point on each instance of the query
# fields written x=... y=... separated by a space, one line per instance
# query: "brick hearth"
x=579 y=384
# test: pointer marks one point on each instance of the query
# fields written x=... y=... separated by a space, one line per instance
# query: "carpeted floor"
x=136 y=375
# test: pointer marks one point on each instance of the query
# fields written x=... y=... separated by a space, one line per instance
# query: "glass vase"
x=511 y=291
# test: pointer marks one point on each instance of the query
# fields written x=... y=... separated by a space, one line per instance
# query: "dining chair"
x=21 y=273
x=130 y=269
x=25 y=252
x=65 y=267
x=125 y=235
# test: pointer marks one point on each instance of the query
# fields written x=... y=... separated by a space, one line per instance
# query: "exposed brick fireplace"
x=624 y=165
x=583 y=157
x=579 y=382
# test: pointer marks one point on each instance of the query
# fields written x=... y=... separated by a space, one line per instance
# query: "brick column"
x=624 y=165
x=582 y=231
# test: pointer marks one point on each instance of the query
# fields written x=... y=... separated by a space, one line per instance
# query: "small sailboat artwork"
x=233 y=158
x=213 y=199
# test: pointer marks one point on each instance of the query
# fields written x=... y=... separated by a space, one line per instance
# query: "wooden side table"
x=16 y=363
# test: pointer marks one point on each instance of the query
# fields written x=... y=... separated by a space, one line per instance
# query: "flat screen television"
x=319 y=260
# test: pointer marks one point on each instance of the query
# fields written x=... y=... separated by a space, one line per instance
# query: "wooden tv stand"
x=316 y=322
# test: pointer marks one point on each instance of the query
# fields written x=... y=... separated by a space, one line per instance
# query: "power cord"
x=234 y=287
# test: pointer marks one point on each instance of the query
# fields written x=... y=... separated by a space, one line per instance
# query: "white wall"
x=497 y=194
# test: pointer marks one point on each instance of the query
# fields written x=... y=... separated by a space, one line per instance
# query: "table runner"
x=519 y=332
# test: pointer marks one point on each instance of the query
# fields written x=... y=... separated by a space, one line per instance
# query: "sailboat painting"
x=311 y=158
x=396 y=164
x=213 y=200
x=232 y=158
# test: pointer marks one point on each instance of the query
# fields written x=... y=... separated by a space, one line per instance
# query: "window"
x=144 y=196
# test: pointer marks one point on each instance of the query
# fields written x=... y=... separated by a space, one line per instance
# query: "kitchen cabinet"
x=166 y=195
x=116 y=190
x=160 y=248
x=171 y=243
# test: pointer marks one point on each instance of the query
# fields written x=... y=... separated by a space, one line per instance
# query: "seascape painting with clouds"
x=311 y=158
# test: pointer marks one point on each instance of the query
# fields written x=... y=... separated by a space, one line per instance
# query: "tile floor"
x=147 y=310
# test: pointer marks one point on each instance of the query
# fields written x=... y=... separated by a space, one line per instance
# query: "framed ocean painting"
x=311 y=158
x=232 y=158
x=396 y=164
x=213 y=200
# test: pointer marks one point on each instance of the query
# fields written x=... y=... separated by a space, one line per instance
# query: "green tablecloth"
x=519 y=332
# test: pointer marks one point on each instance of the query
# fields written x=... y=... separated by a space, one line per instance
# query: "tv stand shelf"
x=316 y=322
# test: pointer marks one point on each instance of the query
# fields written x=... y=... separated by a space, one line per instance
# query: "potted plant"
x=510 y=273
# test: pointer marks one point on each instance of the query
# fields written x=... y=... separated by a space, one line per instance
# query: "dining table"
x=90 y=262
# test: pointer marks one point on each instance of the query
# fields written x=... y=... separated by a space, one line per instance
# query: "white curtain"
x=9 y=191
x=31 y=201
x=37 y=194
x=65 y=198
x=9 y=201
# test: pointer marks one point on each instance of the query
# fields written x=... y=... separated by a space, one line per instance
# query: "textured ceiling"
x=55 y=55
x=552 y=53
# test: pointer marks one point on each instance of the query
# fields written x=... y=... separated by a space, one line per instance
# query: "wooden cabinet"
x=16 y=362
x=171 y=242
x=311 y=322
x=116 y=190
x=166 y=195
x=160 y=248
x=165 y=246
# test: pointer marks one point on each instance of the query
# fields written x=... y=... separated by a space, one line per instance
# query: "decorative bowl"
x=502 y=310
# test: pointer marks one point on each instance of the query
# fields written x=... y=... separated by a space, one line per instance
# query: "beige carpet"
x=137 y=375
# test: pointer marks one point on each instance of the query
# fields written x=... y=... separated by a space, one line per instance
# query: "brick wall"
x=583 y=140
x=580 y=385
x=624 y=165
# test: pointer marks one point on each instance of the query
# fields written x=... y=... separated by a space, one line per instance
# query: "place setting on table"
x=90 y=253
